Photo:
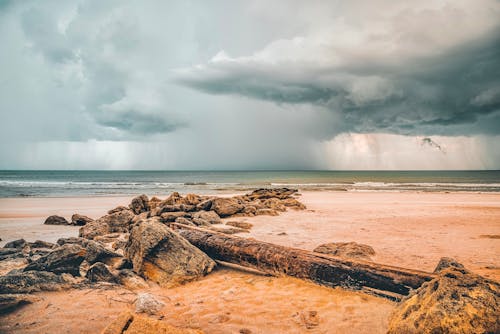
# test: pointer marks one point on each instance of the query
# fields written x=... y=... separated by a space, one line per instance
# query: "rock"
x=200 y=222
x=225 y=207
x=64 y=259
x=266 y=212
x=174 y=198
x=56 y=220
x=10 y=253
x=115 y=222
x=99 y=272
x=185 y=221
x=131 y=280
x=140 y=204
x=456 y=301
x=20 y=243
x=351 y=250
x=204 y=205
x=9 y=265
x=117 y=209
x=275 y=204
x=80 y=220
x=447 y=262
x=210 y=216
x=97 y=252
x=31 y=281
x=126 y=323
x=71 y=240
x=293 y=203
x=10 y=302
x=192 y=199
x=249 y=210
x=161 y=255
x=154 y=202
x=228 y=230
x=238 y=224
x=147 y=303
x=169 y=217
x=280 y=193
x=41 y=244
x=141 y=216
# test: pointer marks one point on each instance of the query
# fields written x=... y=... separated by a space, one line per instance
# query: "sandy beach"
x=412 y=230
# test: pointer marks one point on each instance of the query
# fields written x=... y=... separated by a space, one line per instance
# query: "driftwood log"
x=321 y=268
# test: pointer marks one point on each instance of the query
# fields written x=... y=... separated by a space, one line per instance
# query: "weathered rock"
x=126 y=323
x=20 y=243
x=10 y=253
x=41 y=244
x=10 y=302
x=139 y=217
x=293 y=203
x=174 y=198
x=80 y=220
x=266 y=212
x=99 y=272
x=70 y=240
x=56 y=220
x=185 y=221
x=161 y=255
x=351 y=250
x=154 y=202
x=204 y=205
x=192 y=199
x=117 y=209
x=64 y=259
x=7 y=265
x=239 y=224
x=115 y=222
x=200 y=222
x=140 y=204
x=228 y=230
x=446 y=262
x=147 y=303
x=131 y=280
x=274 y=204
x=31 y=281
x=280 y=193
x=457 y=301
x=225 y=207
x=97 y=252
x=169 y=217
x=210 y=216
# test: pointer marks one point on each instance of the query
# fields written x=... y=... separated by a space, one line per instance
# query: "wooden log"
x=321 y=268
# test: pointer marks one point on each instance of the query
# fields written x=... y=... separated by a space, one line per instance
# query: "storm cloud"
x=249 y=84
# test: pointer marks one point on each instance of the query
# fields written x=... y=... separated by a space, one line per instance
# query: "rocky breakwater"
x=130 y=246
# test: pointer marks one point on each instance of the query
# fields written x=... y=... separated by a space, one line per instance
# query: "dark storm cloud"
x=426 y=95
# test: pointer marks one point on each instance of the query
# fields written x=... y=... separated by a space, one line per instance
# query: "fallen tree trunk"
x=324 y=269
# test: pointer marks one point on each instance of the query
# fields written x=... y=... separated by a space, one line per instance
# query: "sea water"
x=102 y=183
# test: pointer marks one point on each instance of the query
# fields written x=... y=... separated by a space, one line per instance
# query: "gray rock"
x=147 y=303
x=64 y=259
x=115 y=222
x=160 y=254
x=31 y=281
x=20 y=243
x=80 y=220
x=56 y=220
x=99 y=272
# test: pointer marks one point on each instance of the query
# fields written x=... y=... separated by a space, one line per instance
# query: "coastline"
x=408 y=229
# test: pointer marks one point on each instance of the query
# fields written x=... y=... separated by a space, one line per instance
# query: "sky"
x=292 y=84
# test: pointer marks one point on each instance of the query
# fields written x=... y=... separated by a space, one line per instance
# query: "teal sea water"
x=102 y=183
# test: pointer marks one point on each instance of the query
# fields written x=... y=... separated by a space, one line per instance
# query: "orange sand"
x=406 y=229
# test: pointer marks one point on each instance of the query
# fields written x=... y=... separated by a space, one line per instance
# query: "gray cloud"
x=426 y=95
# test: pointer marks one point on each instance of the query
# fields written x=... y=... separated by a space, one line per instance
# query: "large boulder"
x=456 y=301
x=225 y=207
x=64 y=259
x=56 y=220
x=115 y=222
x=351 y=250
x=31 y=281
x=210 y=216
x=161 y=255
x=80 y=220
x=140 y=204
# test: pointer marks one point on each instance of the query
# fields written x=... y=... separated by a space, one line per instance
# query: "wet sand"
x=406 y=229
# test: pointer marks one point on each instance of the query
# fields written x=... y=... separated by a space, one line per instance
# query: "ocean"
x=103 y=183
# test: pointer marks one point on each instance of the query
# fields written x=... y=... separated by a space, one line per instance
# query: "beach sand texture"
x=409 y=230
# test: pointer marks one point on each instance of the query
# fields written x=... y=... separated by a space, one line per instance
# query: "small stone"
x=56 y=220
x=147 y=303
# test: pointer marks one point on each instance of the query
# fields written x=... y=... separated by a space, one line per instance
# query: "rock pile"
x=457 y=301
